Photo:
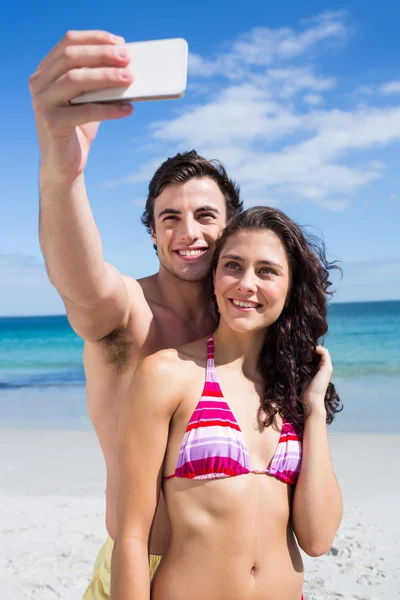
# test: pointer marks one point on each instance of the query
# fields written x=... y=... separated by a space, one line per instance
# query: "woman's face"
x=252 y=280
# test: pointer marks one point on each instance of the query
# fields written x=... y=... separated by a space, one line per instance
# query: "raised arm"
x=94 y=292
x=143 y=434
x=317 y=503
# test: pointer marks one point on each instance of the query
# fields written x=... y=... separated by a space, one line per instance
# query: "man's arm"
x=143 y=436
x=94 y=292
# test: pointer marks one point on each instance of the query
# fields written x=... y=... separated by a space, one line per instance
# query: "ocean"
x=42 y=379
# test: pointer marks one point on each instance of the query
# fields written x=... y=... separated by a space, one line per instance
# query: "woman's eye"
x=206 y=217
x=232 y=265
x=267 y=271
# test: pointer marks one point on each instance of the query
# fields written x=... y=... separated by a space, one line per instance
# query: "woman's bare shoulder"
x=179 y=358
x=174 y=365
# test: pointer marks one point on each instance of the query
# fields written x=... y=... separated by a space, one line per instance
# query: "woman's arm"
x=317 y=504
x=143 y=436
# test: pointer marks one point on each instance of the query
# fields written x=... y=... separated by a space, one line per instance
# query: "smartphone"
x=160 y=70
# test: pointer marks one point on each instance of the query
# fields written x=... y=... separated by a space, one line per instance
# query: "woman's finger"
x=326 y=362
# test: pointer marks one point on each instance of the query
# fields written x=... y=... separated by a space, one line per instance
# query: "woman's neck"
x=240 y=348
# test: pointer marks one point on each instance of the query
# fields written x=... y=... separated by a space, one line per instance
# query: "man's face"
x=188 y=219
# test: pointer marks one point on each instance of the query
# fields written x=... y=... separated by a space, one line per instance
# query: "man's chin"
x=189 y=274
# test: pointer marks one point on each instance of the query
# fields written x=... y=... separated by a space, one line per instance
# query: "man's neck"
x=189 y=299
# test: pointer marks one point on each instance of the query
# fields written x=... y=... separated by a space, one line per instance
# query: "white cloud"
x=263 y=46
x=265 y=125
x=285 y=83
x=138 y=202
x=392 y=87
x=314 y=99
x=144 y=173
x=241 y=113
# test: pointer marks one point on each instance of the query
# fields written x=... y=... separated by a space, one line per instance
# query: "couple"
x=231 y=427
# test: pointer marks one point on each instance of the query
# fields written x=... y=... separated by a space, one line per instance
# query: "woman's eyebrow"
x=232 y=256
x=260 y=262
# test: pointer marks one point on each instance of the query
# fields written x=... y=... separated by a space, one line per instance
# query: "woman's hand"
x=313 y=394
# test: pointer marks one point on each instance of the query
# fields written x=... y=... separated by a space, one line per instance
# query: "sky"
x=300 y=101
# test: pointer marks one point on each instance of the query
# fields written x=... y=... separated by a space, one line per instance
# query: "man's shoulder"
x=181 y=361
x=135 y=287
x=142 y=295
x=143 y=285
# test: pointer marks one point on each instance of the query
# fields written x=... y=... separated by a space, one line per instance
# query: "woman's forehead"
x=251 y=243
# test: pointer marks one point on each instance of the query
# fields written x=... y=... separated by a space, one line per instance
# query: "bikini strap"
x=210 y=369
x=210 y=352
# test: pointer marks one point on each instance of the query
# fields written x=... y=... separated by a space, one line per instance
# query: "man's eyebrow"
x=174 y=211
x=207 y=208
x=261 y=262
x=170 y=211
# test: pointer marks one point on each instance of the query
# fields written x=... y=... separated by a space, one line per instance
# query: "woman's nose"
x=247 y=282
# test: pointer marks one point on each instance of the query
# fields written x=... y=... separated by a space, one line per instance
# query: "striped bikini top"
x=213 y=445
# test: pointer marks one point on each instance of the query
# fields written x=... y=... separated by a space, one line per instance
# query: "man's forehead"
x=191 y=196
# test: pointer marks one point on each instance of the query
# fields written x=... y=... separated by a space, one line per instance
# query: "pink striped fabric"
x=213 y=445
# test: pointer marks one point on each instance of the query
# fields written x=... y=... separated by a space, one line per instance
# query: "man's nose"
x=189 y=230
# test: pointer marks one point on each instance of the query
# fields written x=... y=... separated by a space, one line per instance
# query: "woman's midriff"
x=231 y=540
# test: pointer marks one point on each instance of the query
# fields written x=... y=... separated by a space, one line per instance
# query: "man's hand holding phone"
x=65 y=131
x=91 y=76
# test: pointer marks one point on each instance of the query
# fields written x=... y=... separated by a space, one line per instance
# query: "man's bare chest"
x=171 y=330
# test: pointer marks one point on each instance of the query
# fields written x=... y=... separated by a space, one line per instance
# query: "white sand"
x=52 y=517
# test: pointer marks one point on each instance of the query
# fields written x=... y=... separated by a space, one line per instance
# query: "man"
x=121 y=320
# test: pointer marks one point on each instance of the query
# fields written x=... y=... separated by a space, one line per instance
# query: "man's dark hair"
x=180 y=169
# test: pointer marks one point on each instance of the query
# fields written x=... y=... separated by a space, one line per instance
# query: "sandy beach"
x=52 y=517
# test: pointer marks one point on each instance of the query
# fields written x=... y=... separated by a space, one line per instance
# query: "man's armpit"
x=117 y=349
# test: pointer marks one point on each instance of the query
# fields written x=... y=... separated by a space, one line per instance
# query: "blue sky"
x=301 y=103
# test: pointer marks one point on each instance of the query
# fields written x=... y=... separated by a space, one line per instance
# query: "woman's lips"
x=245 y=305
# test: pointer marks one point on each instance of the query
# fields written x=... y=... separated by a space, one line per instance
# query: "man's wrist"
x=53 y=178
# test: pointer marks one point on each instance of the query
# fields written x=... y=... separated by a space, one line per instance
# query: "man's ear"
x=153 y=235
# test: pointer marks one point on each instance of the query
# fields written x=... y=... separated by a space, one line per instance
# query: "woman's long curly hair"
x=288 y=360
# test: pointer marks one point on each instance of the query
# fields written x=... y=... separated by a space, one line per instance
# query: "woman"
x=246 y=469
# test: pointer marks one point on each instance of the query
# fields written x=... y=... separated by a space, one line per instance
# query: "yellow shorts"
x=99 y=587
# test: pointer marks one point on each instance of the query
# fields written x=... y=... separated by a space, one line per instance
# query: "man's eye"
x=170 y=217
x=206 y=216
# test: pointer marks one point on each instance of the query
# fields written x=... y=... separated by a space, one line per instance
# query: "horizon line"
x=329 y=303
